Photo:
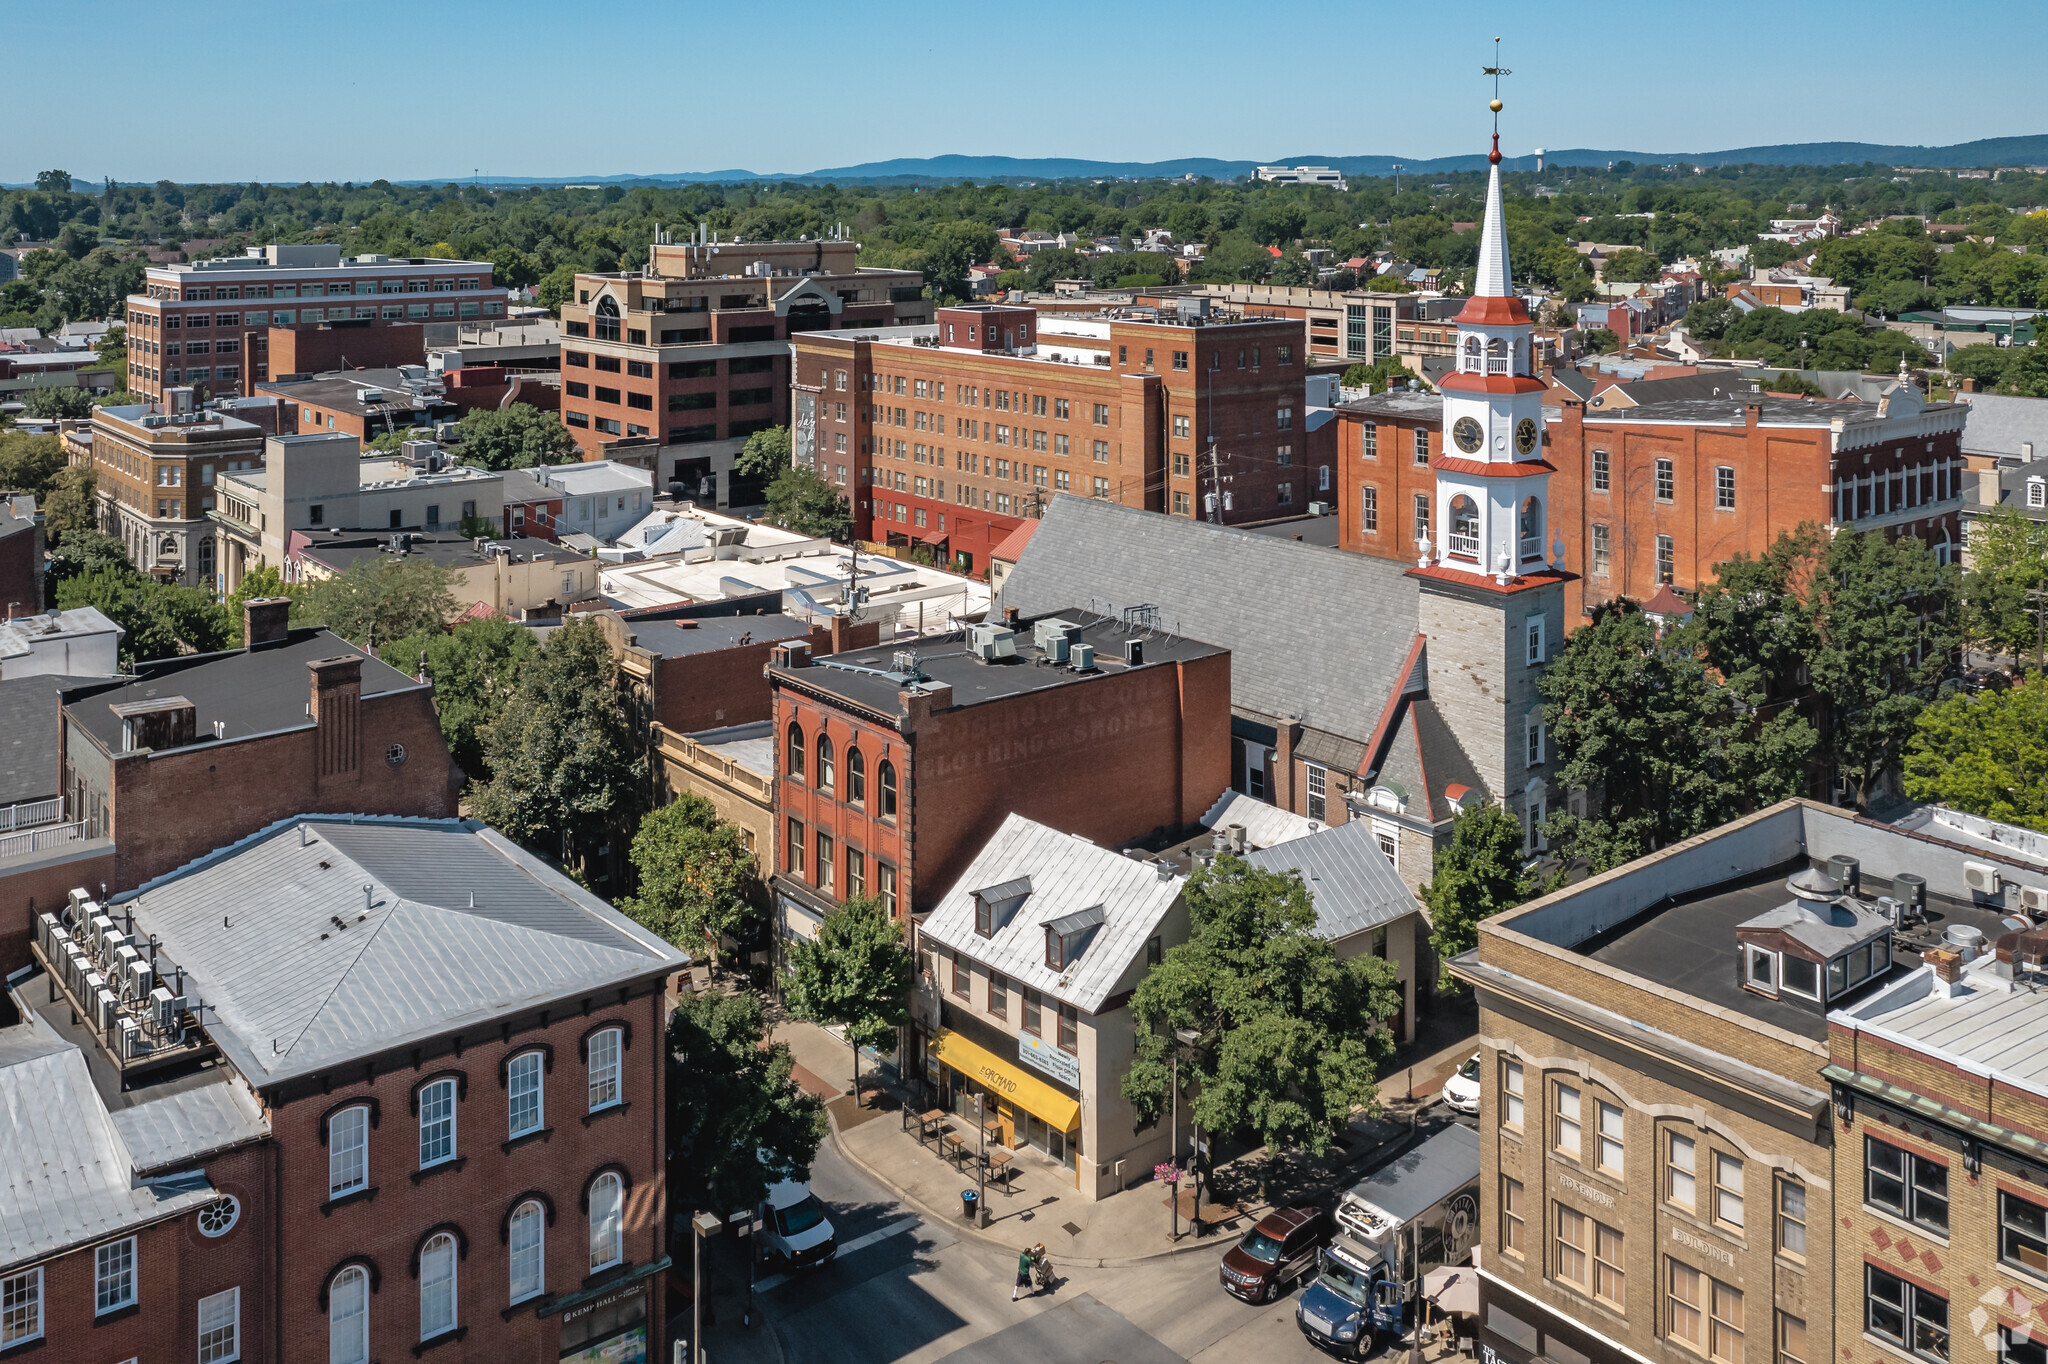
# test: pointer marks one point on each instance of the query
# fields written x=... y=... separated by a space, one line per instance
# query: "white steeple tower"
x=1492 y=482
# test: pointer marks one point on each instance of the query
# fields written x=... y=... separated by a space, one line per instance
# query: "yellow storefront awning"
x=1007 y=1081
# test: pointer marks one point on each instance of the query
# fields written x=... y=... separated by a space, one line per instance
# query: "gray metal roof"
x=1313 y=632
x=1264 y=824
x=300 y=968
x=67 y=1178
x=1069 y=876
x=1826 y=929
x=28 y=736
x=1991 y=1027
x=2000 y=424
x=183 y=1127
x=751 y=745
x=1352 y=883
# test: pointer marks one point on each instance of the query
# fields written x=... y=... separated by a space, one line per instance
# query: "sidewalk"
x=1041 y=1203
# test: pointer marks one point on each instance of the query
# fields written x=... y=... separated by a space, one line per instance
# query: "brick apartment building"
x=1666 y=1174
x=21 y=557
x=154 y=474
x=1354 y=327
x=693 y=351
x=263 y=1158
x=892 y=770
x=951 y=438
x=196 y=325
x=1667 y=490
x=208 y=746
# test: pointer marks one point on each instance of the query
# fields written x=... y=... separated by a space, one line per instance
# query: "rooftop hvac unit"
x=131 y=1038
x=50 y=936
x=1981 y=877
x=991 y=642
x=1044 y=631
x=1058 y=648
x=1893 y=909
x=1082 y=658
x=139 y=979
x=164 y=1008
x=371 y=395
x=109 y=954
x=1318 y=509
x=77 y=898
x=1911 y=888
x=124 y=963
x=99 y=927
x=1134 y=652
x=2034 y=899
x=106 y=1011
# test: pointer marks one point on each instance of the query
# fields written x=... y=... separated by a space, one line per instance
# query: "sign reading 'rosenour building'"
x=1042 y=1056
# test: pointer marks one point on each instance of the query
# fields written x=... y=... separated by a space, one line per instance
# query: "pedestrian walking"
x=1024 y=1261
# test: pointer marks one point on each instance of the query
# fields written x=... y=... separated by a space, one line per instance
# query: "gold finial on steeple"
x=1496 y=71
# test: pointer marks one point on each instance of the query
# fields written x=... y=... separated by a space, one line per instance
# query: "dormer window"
x=994 y=906
x=1066 y=938
x=2037 y=493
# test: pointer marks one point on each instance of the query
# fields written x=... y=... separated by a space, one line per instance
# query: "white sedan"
x=1461 y=1091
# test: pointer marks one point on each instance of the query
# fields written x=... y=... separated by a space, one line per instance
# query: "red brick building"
x=699 y=667
x=690 y=355
x=951 y=439
x=21 y=559
x=892 y=769
x=364 y=1155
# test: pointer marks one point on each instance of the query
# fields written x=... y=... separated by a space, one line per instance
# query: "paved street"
x=905 y=1289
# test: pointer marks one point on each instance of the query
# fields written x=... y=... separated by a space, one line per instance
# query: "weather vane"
x=1496 y=71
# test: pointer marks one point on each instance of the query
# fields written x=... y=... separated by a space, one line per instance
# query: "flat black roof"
x=456 y=551
x=1689 y=946
x=682 y=636
x=869 y=677
x=28 y=736
x=250 y=692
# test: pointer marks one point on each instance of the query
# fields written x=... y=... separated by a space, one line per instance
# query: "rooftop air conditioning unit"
x=1082 y=658
x=131 y=1038
x=991 y=642
x=140 y=979
x=2034 y=899
x=1318 y=509
x=106 y=1011
x=371 y=395
x=1981 y=877
x=1058 y=649
x=129 y=967
x=164 y=1008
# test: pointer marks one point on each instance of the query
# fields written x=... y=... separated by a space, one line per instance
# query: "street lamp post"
x=702 y=1225
x=1188 y=1037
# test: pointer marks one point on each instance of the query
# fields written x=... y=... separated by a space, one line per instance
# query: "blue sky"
x=323 y=90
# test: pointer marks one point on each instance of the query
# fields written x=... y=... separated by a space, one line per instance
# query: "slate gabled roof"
x=299 y=969
x=1312 y=631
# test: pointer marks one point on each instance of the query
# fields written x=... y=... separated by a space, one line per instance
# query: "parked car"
x=1276 y=1254
x=794 y=1227
x=1461 y=1091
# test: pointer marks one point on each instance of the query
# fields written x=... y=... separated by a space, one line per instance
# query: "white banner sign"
x=1041 y=1055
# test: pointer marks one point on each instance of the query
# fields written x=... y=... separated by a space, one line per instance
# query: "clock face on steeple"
x=1525 y=435
x=1467 y=434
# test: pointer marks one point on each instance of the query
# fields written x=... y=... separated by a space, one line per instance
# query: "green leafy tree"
x=517 y=437
x=737 y=1122
x=51 y=403
x=2008 y=560
x=556 y=287
x=2027 y=375
x=86 y=551
x=1290 y=1037
x=157 y=620
x=1985 y=364
x=1382 y=374
x=696 y=873
x=1985 y=754
x=1887 y=632
x=1631 y=266
x=475 y=668
x=1708 y=319
x=121 y=397
x=1041 y=268
x=1598 y=341
x=855 y=975
x=765 y=455
x=68 y=508
x=566 y=762
x=30 y=464
x=801 y=501
x=54 y=181
x=112 y=348
x=384 y=597
x=1793 y=383
x=1389 y=283
x=1475 y=877
x=950 y=249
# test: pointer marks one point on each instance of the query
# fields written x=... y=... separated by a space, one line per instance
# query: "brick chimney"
x=928 y=698
x=1287 y=735
x=337 y=711
x=265 y=620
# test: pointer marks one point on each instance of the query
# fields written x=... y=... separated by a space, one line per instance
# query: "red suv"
x=1276 y=1254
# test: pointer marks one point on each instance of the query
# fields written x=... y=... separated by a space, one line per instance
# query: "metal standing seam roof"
x=190 y=1124
x=1069 y=875
x=1353 y=885
x=1264 y=825
x=68 y=1178
x=1312 y=631
x=1999 y=424
x=1991 y=1028
x=299 y=968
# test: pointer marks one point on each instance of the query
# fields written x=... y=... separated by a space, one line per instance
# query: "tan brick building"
x=155 y=474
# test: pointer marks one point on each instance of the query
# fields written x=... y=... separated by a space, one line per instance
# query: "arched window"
x=1532 y=529
x=437 y=1286
x=856 y=777
x=206 y=556
x=607 y=1244
x=1496 y=356
x=1464 y=527
x=169 y=548
x=348 y=1317
x=606 y=315
x=795 y=763
x=885 y=777
x=1470 y=361
x=823 y=774
x=526 y=1237
x=348 y=1151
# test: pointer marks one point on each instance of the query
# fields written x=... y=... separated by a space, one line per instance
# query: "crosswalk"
x=880 y=1234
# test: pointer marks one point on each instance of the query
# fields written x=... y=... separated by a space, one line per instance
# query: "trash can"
x=968 y=1199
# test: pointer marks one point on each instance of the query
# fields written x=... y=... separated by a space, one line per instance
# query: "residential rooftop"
x=340 y=552
x=147 y=422
x=1348 y=876
x=674 y=635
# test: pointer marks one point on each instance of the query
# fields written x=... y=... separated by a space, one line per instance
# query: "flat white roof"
x=908 y=599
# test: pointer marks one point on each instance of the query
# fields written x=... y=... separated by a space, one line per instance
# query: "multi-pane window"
x=1421 y=445
x=1727 y=1189
x=885 y=778
x=1532 y=736
x=1791 y=1235
x=795 y=845
x=795 y=767
x=998 y=995
x=824 y=861
x=1610 y=1138
x=1905 y=1185
x=885 y=887
x=1511 y=1229
x=1905 y=1314
x=856 y=777
x=1724 y=1323
x=1369 y=510
x=528 y=1263
x=1610 y=1278
x=607 y=1210
x=1680 y=1184
x=1601 y=482
x=1031 y=1005
x=1533 y=630
x=1724 y=488
x=1667 y=559
x=1667 y=480
x=1568 y=1121
x=1574 y=1232
x=1603 y=549
x=1686 y=1297
x=1421 y=516
x=437 y=1122
x=1070 y=1034
x=348 y=1151
x=604 y=1069
x=2023 y=1233
x=824 y=769
x=1369 y=440
x=1511 y=1094
x=348 y=1317
x=437 y=1286
x=1791 y=1339
x=856 y=872
x=962 y=974
x=522 y=1086
x=220 y=1327
x=113 y=1279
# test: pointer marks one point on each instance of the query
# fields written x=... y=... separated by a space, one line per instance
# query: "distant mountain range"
x=1990 y=151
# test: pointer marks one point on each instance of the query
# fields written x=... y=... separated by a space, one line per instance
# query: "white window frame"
x=352 y=1123
x=606 y=1072
x=1681 y=1171
x=1533 y=736
x=1511 y=1112
x=348 y=1327
x=607 y=1216
x=21 y=1307
x=1728 y=1191
x=516 y=1093
x=218 y=1313
x=122 y=1252
x=1534 y=626
x=1609 y=1136
x=535 y=1283
x=1569 y=1111
x=441 y=1244
x=448 y=1086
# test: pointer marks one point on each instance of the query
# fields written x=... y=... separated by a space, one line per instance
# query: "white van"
x=794 y=1227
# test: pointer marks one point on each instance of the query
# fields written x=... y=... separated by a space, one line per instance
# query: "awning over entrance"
x=1007 y=1081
